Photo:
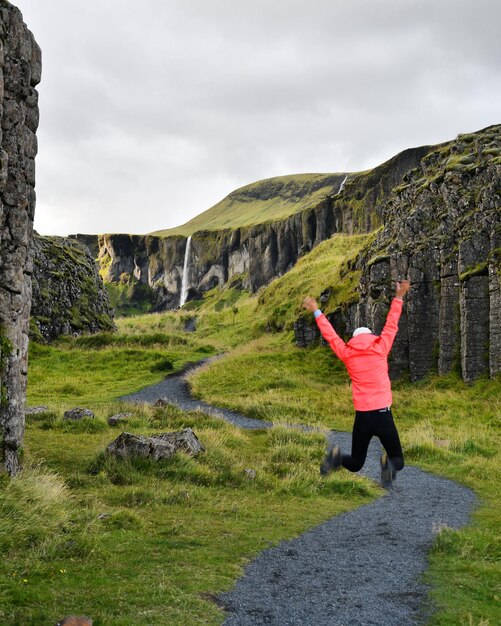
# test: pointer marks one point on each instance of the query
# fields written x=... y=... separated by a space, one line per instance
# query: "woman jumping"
x=366 y=359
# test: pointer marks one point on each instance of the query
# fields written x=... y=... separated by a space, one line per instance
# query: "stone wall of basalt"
x=69 y=297
x=20 y=72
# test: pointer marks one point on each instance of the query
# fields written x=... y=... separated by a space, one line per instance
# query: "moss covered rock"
x=68 y=293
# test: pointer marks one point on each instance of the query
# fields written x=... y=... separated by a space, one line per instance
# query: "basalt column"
x=20 y=72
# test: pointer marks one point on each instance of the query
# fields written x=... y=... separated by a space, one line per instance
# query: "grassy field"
x=99 y=368
x=151 y=543
x=145 y=543
x=133 y=543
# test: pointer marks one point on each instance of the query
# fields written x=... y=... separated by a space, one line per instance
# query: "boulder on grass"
x=77 y=414
x=163 y=446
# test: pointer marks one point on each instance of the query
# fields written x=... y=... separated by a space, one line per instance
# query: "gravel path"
x=360 y=568
x=176 y=391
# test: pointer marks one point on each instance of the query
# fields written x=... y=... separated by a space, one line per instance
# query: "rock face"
x=20 y=72
x=68 y=293
x=253 y=255
x=442 y=229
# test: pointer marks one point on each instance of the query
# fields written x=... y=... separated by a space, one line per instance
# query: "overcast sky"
x=154 y=110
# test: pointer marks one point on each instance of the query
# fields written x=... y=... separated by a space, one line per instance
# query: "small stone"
x=161 y=402
x=119 y=418
x=324 y=296
x=250 y=474
x=34 y=410
x=190 y=325
x=77 y=414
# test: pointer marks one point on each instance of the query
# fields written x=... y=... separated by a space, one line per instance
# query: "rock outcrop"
x=68 y=293
x=20 y=72
x=119 y=418
x=442 y=229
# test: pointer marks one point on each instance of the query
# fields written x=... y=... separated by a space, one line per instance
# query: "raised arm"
x=337 y=345
x=390 y=329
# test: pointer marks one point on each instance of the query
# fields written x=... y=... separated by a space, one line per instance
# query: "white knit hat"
x=363 y=330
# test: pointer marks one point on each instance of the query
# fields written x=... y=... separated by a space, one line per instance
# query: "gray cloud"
x=151 y=112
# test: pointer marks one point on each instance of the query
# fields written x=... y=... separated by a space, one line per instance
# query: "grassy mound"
x=273 y=198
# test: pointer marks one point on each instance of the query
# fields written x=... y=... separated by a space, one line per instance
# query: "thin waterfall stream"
x=341 y=186
x=184 y=281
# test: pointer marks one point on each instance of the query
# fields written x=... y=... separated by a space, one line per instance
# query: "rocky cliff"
x=441 y=228
x=68 y=294
x=20 y=72
x=256 y=254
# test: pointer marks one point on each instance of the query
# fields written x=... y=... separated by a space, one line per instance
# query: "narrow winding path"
x=361 y=568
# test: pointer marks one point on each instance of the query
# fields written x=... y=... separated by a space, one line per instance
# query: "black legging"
x=367 y=424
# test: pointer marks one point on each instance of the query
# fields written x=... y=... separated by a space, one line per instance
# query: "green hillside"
x=264 y=200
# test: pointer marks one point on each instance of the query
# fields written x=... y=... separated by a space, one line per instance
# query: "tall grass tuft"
x=35 y=507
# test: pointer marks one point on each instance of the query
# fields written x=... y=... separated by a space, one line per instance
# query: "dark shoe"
x=332 y=460
x=388 y=472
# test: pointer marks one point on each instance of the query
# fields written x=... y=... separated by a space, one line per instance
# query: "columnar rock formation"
x=20 y=72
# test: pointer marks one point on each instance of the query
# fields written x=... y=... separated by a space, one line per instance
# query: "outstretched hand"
x=402 y=288
x=310 y=304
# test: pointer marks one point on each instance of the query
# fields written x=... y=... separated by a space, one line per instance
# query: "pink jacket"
x=366 y=359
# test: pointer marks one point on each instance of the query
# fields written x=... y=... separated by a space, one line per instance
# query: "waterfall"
x=184 y=282
x=341 y=186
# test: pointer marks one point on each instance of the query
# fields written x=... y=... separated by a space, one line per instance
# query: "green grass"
x=99 y=368
x=273 y=380
x=281 y=301
x=150 y=543
x=262 y=201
